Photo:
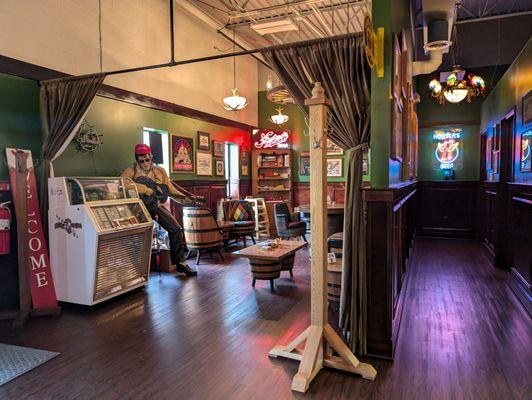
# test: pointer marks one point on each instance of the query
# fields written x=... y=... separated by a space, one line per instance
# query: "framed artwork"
x=333 y=149
x=495 y=161
x=203 y=164
x=496 y=137
x=334 y=167
x=204 y=141
x=489 y=152
x=396 y=72
x=527 y=108
x=182 y=154
x=218 y=148
x=219 y=167
x=526 y=150
x=396 y=149
x=304 y=165
x=244 y=170
x=365 y=166
x=405 y=81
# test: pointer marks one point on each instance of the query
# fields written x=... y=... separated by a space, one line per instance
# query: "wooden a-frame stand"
x=20 y=200
x=320 y=336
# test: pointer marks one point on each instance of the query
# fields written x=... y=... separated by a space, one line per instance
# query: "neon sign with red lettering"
x=447 y=152
x=271 y=140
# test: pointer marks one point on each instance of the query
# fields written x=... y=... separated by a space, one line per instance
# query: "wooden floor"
x=463 y=336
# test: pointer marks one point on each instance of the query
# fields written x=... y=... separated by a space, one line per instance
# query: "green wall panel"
x=470 y=143
x=299 y=131
x=20 y=123
x=121 y=125
x=506 y=96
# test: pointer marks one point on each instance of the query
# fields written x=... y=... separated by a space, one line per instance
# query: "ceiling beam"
x=300 y=13
x=515 y=14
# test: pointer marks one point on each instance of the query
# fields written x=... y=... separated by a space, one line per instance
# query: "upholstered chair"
x=241 y=213
x=289 y=224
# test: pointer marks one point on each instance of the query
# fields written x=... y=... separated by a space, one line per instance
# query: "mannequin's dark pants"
x=168 y=222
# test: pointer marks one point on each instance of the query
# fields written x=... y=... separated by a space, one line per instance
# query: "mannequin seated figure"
x=154 y=188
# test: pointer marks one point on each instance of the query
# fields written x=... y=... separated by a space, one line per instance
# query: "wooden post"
x=319 y=336
x=21 y=211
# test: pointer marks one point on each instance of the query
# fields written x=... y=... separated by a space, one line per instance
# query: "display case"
x=100 y=238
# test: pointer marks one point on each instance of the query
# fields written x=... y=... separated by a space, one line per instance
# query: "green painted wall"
x=121 y=125
x=432 y=115
x=298 y=129
x=392 y=16
x=470 y=144
x=20 y=124
x=507 y=95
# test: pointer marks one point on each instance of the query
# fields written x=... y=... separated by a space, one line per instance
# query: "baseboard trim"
x=522 y=289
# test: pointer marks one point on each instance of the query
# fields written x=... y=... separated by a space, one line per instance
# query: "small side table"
x=268 y=264
x=225 y=227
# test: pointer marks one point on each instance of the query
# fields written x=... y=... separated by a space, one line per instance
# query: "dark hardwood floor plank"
x=463 y=336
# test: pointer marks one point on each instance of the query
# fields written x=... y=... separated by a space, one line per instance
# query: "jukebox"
x=100 y=238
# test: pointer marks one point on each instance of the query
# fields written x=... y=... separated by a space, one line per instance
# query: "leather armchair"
x=288 y=224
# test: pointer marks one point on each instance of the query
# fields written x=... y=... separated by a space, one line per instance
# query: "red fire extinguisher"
x=5 y=227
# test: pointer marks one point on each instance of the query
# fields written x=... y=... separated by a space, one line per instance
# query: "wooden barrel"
x=334 y=282
x=287 y=263
x=200 y=228
x=264 y=269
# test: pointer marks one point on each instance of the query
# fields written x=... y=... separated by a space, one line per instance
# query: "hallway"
x=463 y=336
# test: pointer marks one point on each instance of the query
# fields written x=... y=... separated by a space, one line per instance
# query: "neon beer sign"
x=447 y=150
x=269 y=139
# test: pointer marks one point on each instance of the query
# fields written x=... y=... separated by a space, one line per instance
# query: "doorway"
x=232 y=163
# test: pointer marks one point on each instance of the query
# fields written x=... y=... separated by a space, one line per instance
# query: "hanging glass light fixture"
x=235 y=102
x=280 y=118
x=456 y=87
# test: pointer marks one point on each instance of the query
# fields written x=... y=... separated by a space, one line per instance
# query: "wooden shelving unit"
x=272 y=179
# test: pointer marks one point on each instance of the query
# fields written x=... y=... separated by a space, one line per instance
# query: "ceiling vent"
x=281 y=25
x=438 y=35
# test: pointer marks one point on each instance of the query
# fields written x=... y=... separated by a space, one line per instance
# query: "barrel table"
x=334 y=282
x=267 y=264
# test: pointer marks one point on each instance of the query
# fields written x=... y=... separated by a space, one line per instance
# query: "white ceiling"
x=313 y=18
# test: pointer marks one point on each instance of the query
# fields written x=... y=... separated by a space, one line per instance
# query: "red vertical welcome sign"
x=39 y=272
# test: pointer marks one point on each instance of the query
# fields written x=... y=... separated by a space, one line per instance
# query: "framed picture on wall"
x=219 y=167
x=396 y=149
x=405 y=81
x=396 y=72
x=204 y=141
x=489 y=152
x=203 y=164
x=182 y=154
x=333 y=149
x=527 y=108
x=495 y=161
x=335 y=167
x=218 y=148
x=244 y=171
x=365 y=166
x=304 y=165
x=526 y=150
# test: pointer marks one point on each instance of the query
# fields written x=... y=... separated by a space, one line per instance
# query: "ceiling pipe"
x=435 y=12
x=428 y=66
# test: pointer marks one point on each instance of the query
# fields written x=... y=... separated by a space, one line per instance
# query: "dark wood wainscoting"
x=335 y=190
x=520 y=242
x=390 y=221
x=447 y=208
x=212 y=190
x=487 y=217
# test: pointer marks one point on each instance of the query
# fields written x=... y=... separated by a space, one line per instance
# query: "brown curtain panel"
x=339 y=63
x=64 y=103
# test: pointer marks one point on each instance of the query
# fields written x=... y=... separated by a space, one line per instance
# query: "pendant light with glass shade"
x=279 y=118
x=235 y=102
x=455 y=86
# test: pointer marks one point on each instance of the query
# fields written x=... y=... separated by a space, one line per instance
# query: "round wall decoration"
x=87 y=137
